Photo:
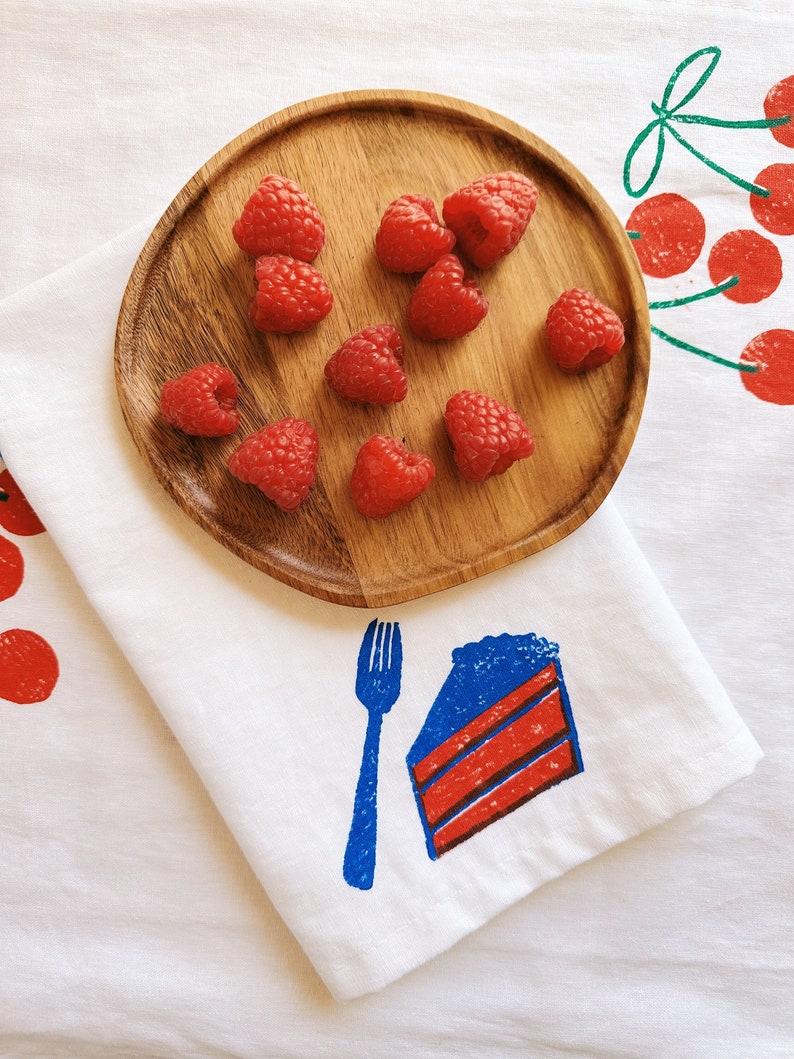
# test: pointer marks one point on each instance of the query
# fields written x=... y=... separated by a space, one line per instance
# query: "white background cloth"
x=257 y=680
x=131 y=923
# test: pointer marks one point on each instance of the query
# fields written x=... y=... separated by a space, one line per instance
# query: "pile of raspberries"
x=281 y=228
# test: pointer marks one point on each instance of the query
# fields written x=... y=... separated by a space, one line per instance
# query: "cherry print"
x=773 y=353
x=12 y=568
x=775 y=212
x=28 y=667
x=16 y=514
x=753 y=258
x=779 y=103
x=668 y=232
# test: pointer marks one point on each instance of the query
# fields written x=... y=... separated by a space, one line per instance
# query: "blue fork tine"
x=377 y=688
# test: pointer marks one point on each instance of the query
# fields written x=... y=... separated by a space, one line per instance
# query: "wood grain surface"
x=353 y=153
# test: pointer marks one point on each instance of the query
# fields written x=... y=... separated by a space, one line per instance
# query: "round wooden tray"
x=353 y=153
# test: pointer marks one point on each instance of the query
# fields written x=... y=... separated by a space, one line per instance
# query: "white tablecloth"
x=131 y=924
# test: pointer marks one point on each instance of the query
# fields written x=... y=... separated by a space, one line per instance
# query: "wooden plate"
x=353 y=153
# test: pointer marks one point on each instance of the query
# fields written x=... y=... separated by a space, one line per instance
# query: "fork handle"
x=359 y=862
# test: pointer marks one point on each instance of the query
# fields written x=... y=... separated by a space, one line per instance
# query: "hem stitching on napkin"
x=659 y=817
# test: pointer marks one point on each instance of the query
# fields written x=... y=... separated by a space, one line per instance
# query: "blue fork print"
x=377 y=688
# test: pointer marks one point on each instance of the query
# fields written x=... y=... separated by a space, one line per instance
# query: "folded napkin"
x=541 y=714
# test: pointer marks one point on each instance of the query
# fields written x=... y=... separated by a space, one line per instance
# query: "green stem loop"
x=667 y=116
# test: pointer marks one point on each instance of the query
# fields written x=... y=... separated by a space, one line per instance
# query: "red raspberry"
x=291 y=295
x=203 y=401
x=410 y=238
x=386 y=476
x=280 y=459
x=487 y=436
x=444 y=304
x=582 y=332
x=367 y=367
x=280 y=218
x=489 y=215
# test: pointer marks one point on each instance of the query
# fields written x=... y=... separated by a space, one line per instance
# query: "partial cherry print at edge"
x=16 y=514
x=745 y=266
x=12 y=569
x=29 y=668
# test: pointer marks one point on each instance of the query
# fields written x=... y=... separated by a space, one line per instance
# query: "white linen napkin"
x=545 y=712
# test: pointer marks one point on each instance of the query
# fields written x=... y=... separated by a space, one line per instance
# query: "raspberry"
x=203 y=401
x=367 y=367
x=487 y=436
x=280 y=459
x=444 y=304
x=582 y=332
x=489 y=215
x=291 y=295
x=410 y=238
x=280 y=218
x=386 y=476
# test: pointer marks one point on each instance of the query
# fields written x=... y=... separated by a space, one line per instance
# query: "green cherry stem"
x=746 y=185
x=3 y=496
x=680 y=344
x=723 y=123
x=687 y=299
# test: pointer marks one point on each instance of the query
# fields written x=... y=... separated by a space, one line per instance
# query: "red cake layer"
x=510 y=748
x=484 y=723
x=556 y=764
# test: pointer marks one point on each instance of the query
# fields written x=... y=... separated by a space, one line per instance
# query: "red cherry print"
x=750 y=256
x=773 y=352
x=779 y=103
x=12 y=568
x=775 y=212
x=16 y=514
x=671 y=233
x=28 y=667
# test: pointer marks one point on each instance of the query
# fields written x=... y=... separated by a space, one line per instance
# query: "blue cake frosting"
x=482 y=673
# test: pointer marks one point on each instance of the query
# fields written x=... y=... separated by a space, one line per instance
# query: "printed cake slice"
x=500 y=732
